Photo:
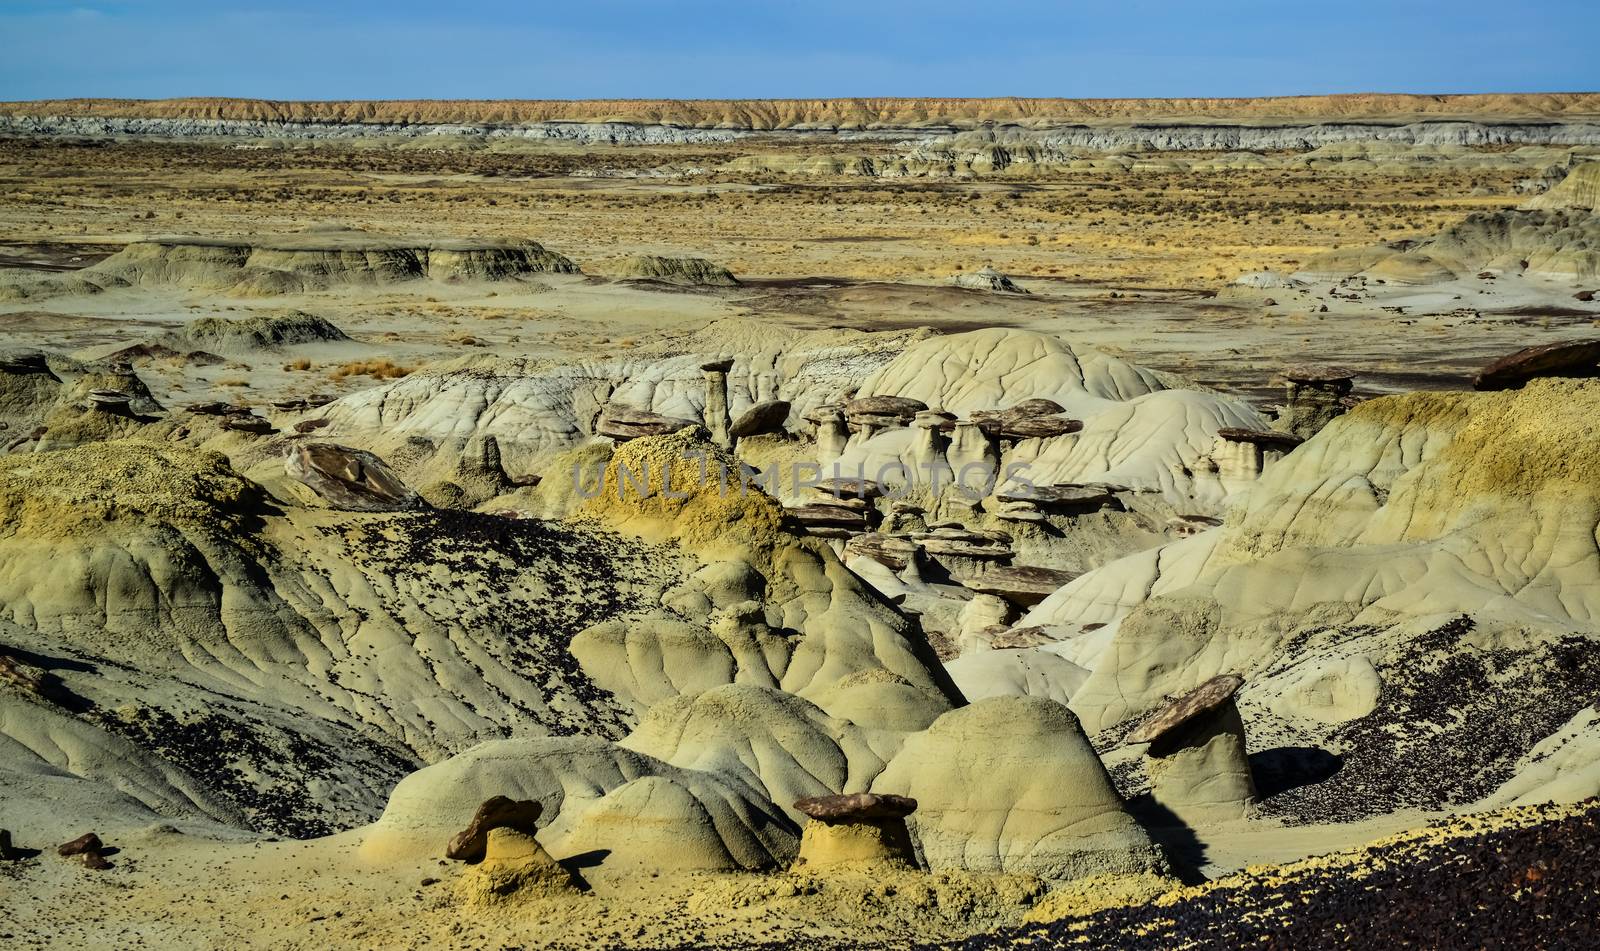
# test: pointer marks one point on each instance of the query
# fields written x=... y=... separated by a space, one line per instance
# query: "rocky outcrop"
x=687 y=271
x=350 y=479
x=306 y=261
x=986 y=279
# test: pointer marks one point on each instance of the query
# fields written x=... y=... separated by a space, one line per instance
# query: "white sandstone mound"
x=1012 y=784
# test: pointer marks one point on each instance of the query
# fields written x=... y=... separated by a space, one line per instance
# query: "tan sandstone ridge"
x=852 y=113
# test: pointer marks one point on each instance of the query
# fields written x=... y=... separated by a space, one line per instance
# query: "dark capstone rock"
x=309 y=425
x=718 y=366
x=217 y=408
x=856 y=807
x=110 y=400
x=1202 y=700
x=1040 y=427
x=88 y=842
x=765 y=417
x=1318 y=373
x=890 y=551
x=1580 y=359
x=850 y=487
x=623 y=423
x=350 y=479
x=1020 y=584
x=1059 y=495
x=251 y=423
x=818 y=514
x=882 y=411
x=1265 y=438
x=497 y=812
x=902 y=406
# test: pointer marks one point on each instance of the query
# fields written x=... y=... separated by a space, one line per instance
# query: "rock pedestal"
x=716 y=412
x=981 y=613
x=1313 y=397
x=833 y=433
x=856 y=828
x=1197 y=763
x=514 y=865
x=974 y=457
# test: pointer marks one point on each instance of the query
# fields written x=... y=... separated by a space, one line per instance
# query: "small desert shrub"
x=299 y=363
x=233 y=381
x=377 y=369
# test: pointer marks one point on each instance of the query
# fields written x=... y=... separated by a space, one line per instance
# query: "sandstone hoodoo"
x=1196 y=756
x=496 y=812
x=1314 y=395
x=864 y=828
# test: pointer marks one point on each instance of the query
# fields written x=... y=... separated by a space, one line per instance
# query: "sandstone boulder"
x=351 y=479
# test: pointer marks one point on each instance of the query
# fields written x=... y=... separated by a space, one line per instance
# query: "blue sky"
x=401 y=49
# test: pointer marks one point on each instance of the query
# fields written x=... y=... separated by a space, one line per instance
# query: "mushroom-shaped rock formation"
x=986 y=279
x=856 y=828
x=716 y=408
x=1011 y=784
x=1197 y=763
x=1031 y=418
x=623 y=423
x=1316 y=394
x=1578 y=359
x=513 y=864
x=983 y=613
x=1240 y=455
x=1024 y=585
x=496 y=812
x=760 y=419
x=351 y=479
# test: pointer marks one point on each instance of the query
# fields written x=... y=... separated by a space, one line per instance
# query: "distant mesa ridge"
x=1287 y=122
x=760 y=114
